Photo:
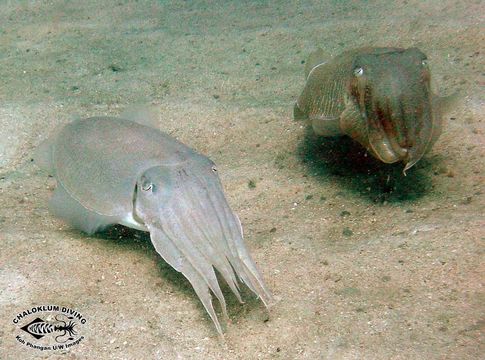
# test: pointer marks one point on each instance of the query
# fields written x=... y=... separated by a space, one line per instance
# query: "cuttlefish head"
x=193 y=228
x=391 y=88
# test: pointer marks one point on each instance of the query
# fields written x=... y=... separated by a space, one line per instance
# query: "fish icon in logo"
x=38 y=328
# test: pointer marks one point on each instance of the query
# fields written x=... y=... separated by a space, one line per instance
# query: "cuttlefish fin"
x=142 y=114
x=43 y=156
x=315 y=59
x=44 y=153
x=326 y=125
x=441 y=105
x=446 y=104
x=298 y=114
x=64 y=206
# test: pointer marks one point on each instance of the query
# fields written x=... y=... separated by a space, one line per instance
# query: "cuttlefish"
x=380 y=97
x=116 y=171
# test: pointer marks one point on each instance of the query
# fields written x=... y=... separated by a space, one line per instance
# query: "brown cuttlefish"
x=380 y=97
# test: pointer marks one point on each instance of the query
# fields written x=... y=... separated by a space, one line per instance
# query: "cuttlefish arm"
x=202 y=278
x=196 y=260
x=193 y=228
x=352 y=123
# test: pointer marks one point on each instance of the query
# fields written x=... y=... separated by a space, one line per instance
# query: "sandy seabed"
x=364 y=263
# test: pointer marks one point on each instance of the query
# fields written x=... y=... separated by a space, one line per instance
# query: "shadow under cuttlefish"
x=342 y=160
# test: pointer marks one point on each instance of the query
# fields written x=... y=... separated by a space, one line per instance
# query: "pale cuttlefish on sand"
x=380 y=97
x=116 y=171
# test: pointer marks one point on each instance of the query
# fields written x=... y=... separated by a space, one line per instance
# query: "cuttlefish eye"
x=146 y=185
x=424 y=62
x=214 y=168
x=358 y=71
